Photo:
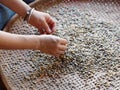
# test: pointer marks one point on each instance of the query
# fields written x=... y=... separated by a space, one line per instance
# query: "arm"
x=45 y=43
x=48 y=44
x=14 y=41
x=18 y=6
x=38 y=19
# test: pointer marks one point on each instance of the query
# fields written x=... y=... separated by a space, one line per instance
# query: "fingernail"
x=49 y=31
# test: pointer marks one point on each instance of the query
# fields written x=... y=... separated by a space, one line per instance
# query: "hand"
x=52 y=45
x=43 y=21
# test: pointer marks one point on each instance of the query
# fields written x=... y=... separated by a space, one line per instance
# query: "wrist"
x=37 y=42
x=28 y=14
x=33 y=42
x=29 y=41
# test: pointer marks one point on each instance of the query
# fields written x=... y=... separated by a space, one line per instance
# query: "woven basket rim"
x=11 y=22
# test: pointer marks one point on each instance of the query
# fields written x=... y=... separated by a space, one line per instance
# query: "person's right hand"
x=52 y=45
x=43 y=21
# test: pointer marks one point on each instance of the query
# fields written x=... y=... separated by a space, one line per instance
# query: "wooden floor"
x=2 y=86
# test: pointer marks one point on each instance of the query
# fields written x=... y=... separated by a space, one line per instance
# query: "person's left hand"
x=43 y=21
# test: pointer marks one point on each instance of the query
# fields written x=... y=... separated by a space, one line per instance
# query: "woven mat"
x=87 y=68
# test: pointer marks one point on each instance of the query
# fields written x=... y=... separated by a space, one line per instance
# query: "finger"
x=53 y=28
x=61 y=52
x=63 y=41
x=40 y=30
x=52 y=25
x=62 y=47
x=46 y=27
x=57 y=55
x=51 y=22
x=43 y=30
